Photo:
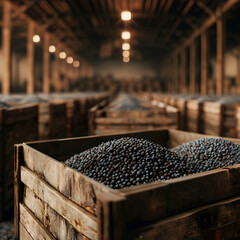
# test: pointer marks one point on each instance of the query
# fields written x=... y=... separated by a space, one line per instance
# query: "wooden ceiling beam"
x=179 y=20
x=22 y=9
x=209 y=22
x=205 y=8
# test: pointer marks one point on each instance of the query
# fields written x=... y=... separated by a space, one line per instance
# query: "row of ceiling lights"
x=126 y=35
x=62 y=55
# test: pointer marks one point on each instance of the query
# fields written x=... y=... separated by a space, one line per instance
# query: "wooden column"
x=183 y=88
x=6 y=47
x=238 y=72
x=176 y=73
x=192 y=68
x=220 y=56
x=46 y=63
x=170 y=83
x=30 y=59
x=56 y=72
x=204 y=62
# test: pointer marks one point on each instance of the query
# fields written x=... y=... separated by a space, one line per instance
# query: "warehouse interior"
x=119 y=119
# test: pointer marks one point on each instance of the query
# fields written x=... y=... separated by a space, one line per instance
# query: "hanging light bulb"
x=126 y=53
x=126 y=59
x=36 y=38
x=52 y=49
x=125 y=46
x=69 y=60
x=126 y=35
x=62 y=55
x=76 y=64
x=126 y=15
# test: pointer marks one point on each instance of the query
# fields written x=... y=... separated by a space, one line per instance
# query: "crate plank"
x=55 y=223
x=196 y=224
x=33 y=226
x=24 y=233
x=84 y=222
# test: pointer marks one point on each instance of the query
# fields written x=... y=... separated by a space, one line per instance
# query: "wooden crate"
x=53 y=201
x=52 y=120
x=219 y=119
x=17 y=124
x=103 y=121
x=237 y=119
x=194 y=121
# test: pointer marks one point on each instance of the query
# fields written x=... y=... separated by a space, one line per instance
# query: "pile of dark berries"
x=7 y=230
x=208 y=154
x=127 y=162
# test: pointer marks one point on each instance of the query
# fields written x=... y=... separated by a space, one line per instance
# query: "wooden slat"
x=55 y=223
x=199 y=223
x=23 y=233
x=183 y=87
x=32 y=225
x=79 y=218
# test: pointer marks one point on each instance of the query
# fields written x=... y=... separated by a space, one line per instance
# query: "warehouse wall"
x=134 y=69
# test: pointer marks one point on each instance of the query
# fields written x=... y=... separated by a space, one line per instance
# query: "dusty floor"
x=6 y=230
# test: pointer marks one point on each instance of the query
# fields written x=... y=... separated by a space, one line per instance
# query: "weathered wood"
x=196 y=224
x=6 y=47
x=56 y=224
x=46 y=65
x=122 y=214
x=220 y=55
x=30 y=59
x=34 y=227
x=204 y=62
x=23 y=233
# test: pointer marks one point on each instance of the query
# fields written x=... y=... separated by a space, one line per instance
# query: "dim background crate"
x=102 y=120
x=17 y=124
x=220 y=119
x=56 y=202
x=52 y=120
x=237 y=119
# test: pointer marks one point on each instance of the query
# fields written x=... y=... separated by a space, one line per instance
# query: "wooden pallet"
x=53 y=201
x=17 y=124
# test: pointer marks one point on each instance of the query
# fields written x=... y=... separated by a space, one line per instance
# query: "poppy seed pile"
x=127 y=162
x=208 y=153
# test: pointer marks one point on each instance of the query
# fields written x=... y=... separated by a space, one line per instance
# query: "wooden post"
x=46 y=62
x=183 y=88
x=204 y=62
x=175 y=69
x=238 y=72
x=220 y=55
x=170 y=78
x=30 y=59
x=56 y=72
x=192 y=68
x=6 y=47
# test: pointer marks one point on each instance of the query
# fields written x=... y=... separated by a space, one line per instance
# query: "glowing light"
x=126 y=59
x=62 y=55
x=126 y=35
x=125 y=46
x=126 y=53
x=69 y=60
x=76 y=64
x=36 y=38
x=126 y=15
x=52 y=49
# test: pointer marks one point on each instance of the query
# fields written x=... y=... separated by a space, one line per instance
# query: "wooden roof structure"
x=92 y=29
